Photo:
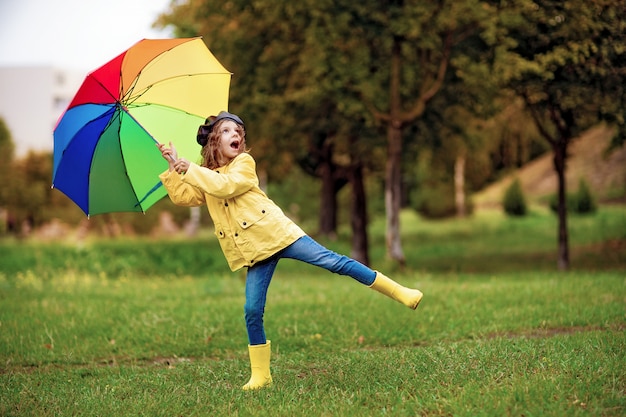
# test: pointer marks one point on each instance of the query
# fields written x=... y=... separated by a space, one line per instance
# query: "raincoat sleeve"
x=180 y=193
x=239 y=178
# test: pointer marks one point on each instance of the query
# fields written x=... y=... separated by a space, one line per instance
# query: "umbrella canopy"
x=159 y=90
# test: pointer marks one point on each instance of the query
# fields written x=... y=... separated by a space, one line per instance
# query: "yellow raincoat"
x=249 y=226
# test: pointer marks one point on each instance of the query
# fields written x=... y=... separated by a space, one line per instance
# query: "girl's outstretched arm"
x=180 y=193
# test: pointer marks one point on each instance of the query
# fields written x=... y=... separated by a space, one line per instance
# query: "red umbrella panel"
x=159 y=90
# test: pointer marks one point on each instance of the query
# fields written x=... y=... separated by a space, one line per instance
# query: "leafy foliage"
x=566 y=61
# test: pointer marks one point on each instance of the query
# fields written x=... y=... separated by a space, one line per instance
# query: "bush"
x=514 y=202
x=585 y=203
x=435 y=201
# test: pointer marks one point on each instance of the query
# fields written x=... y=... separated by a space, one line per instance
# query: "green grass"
x=488 y=339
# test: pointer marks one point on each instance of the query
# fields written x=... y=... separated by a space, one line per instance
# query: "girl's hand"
x=169 y=154
x=181 y=165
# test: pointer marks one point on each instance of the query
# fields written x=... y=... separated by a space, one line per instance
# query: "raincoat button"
x=244 y=223
x=226 y=204
x=263 y=211
x=236 y=234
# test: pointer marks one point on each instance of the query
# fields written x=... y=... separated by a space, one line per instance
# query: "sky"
x=74 y=34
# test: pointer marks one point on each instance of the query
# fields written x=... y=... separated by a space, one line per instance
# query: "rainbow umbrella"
x=159 y=90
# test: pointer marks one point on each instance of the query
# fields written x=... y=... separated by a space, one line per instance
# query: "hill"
x=605 y=173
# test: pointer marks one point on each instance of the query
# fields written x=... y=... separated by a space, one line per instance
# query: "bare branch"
x=537 y=120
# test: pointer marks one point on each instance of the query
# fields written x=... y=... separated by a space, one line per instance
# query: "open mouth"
x=234 y=144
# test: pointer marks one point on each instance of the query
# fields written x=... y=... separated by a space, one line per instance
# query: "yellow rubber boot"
x=407 y=296
x=259 y=366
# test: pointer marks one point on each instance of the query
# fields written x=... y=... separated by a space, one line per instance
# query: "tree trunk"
x=562 y=120
x=319 y=164
x=393 y=194
x=358 y=218
x=560 y=155
x=328 y=201
x=194 y=221
x=393 y=169
x=459 y=185
x=262 y=174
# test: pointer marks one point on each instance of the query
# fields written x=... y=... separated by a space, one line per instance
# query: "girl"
x=252 y=230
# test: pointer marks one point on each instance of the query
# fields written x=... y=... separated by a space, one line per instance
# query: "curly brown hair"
x=212 y=158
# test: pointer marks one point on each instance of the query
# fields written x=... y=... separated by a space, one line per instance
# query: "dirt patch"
x=544 y=333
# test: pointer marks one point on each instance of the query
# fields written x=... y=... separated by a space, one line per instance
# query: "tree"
x=411 y=46
x=566 y=61
x=319 y=162
x=7 y=149
x=28 y=193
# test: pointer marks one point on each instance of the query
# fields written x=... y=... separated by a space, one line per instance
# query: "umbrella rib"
x=165 y=106
x=129 y=98
x=114 y=98
x=152 y=190
x=158 y=185
x=130 y=91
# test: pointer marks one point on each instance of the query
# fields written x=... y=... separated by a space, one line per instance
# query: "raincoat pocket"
x=258 y=235
x=252 y=217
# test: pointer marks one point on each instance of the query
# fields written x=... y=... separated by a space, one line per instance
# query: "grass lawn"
x=499 y=332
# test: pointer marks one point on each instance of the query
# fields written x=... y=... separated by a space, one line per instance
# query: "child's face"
x=230 y=139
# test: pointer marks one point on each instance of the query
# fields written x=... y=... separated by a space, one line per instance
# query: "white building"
x=31 y=101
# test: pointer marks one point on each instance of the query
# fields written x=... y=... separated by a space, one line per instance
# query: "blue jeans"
x=306 y=250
